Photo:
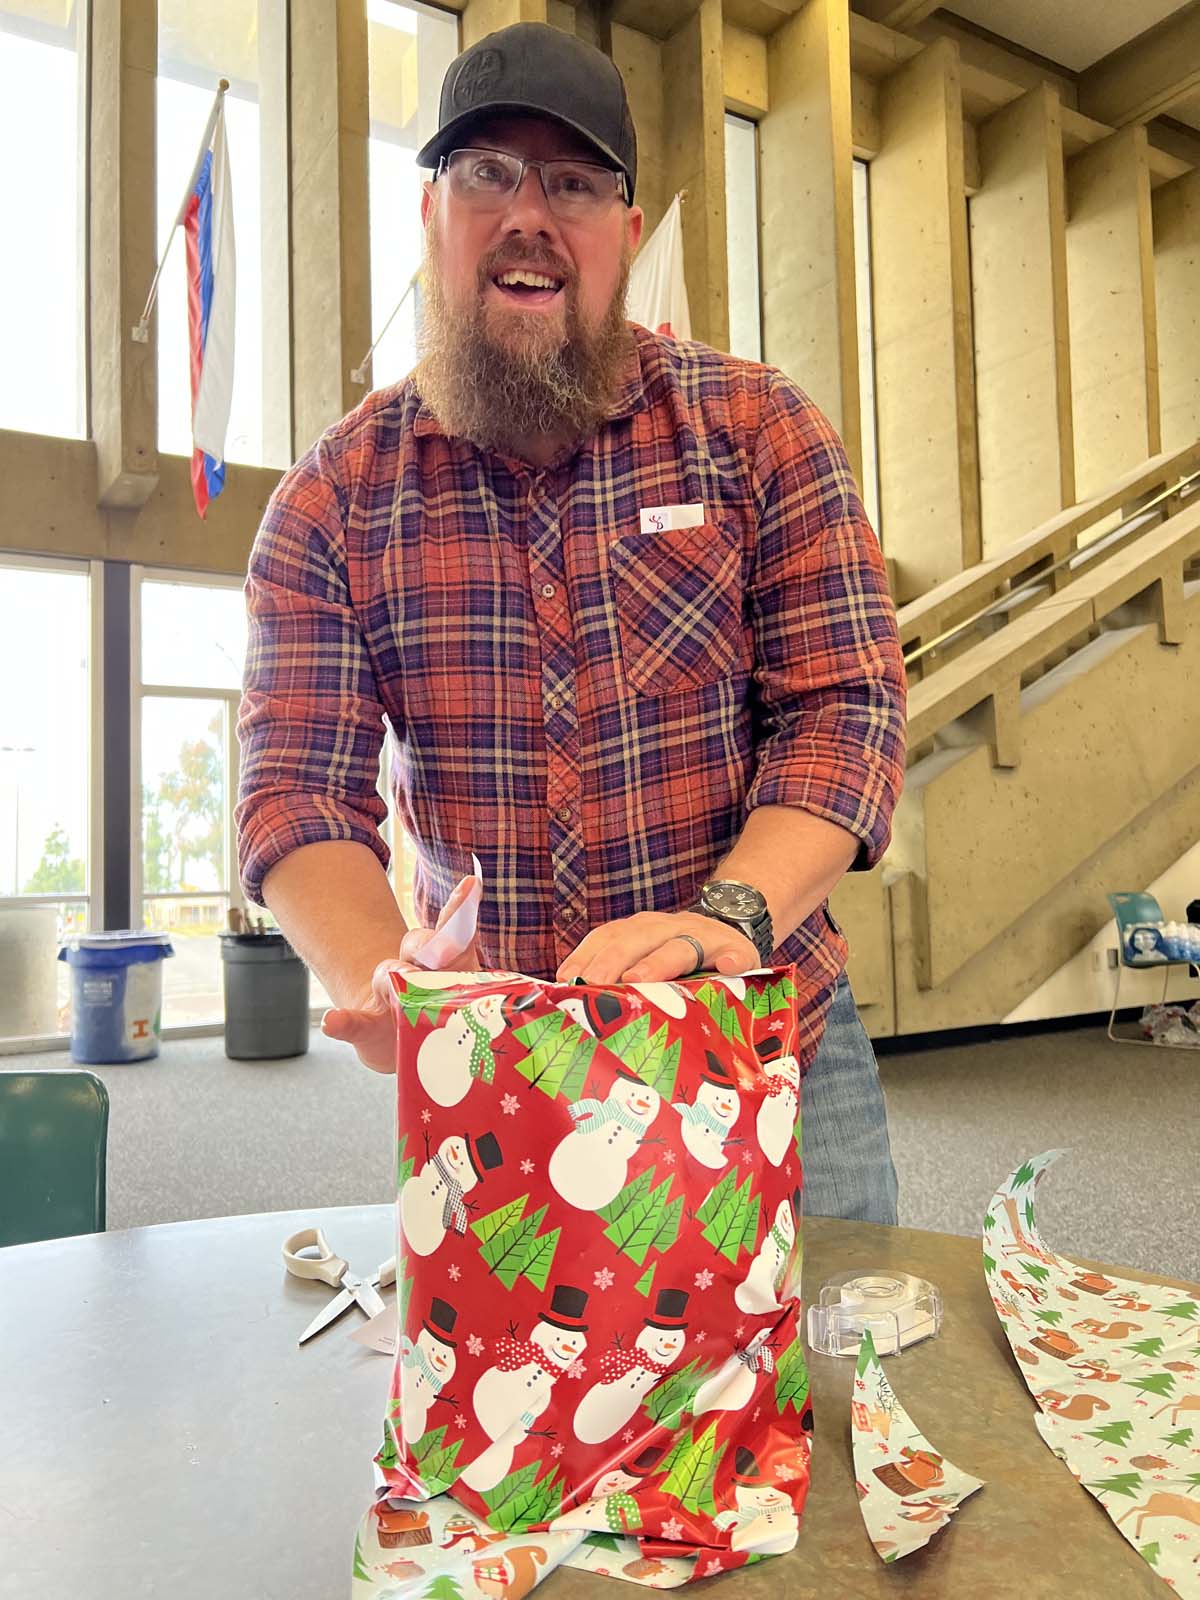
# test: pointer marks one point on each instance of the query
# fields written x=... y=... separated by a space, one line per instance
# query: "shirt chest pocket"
x=678 y=599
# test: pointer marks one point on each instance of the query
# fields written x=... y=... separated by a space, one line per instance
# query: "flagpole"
x=141 y=333
x=358 y=374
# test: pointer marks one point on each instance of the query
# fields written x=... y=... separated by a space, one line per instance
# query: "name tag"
x=657 y=519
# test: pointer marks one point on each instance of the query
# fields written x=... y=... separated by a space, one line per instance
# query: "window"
x=741 y=231
x=47 y=853
x=41 y=282
x=410 y=48
x=197 y=45
x=866 y=342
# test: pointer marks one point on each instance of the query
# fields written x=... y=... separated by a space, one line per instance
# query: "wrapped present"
x=599 y=1206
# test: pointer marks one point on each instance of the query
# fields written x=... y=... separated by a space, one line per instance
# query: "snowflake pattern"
x=747 y=1156
x=604 y=1278
x=475 y=1344
x=557 y=1449
x=672 y=1529
x=739 y=1330
x=701 y=1336
x=527 y=1166
x=627 y=1436
x=510 y=1105
x=460 y=1421
x=426 y=1115
x=713 y=1567
x=454 y=1272
x=669 y=1157
x=703 y=1279
x=576 y=1369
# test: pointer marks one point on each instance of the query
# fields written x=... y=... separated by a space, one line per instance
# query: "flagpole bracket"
x=358 y=375
x=140 y=332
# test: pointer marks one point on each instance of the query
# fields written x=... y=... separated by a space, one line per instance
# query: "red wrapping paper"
x=599 y=1205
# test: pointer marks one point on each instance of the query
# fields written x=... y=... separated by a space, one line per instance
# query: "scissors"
x=331 y=1269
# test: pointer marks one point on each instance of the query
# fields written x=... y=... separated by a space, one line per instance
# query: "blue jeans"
x=848 y=1169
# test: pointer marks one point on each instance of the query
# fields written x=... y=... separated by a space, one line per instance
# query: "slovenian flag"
x=208 y=230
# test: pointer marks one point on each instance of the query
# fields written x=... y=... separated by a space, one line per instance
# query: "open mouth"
x=528 y=288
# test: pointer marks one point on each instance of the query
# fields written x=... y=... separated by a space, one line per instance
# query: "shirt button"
x=568 y=916
x=547 y=591
x=563 y=813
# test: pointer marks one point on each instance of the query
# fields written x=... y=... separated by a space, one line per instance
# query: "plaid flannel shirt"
x=591 y=708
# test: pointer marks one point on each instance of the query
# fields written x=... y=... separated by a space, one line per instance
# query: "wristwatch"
x=741 y=907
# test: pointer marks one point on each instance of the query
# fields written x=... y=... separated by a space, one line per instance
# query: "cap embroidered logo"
x=476 y=76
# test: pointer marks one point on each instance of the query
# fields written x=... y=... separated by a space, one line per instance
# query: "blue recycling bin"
x=116 y=994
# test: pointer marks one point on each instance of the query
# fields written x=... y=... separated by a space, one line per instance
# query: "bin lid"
x=116 y=939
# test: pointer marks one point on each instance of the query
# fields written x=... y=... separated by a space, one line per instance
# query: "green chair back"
x=53 y=1144
x=1130 y=909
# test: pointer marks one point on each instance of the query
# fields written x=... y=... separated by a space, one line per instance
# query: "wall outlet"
x=1104 y=959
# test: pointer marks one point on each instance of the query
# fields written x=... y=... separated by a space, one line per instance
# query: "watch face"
x=734 y=900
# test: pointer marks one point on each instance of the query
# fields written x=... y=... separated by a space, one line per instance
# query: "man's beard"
x=500 y=377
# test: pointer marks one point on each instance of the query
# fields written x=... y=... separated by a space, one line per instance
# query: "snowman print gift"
x=599 y=1199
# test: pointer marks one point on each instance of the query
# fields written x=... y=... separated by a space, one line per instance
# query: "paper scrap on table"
x=1114 y=1365
x=379 y=1332
x=459 y=930
x=907 y=1492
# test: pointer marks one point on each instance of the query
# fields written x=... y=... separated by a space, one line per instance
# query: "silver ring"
x=698 y=948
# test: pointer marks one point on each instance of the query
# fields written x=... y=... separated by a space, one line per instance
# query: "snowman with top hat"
x=426 y=1367
x=596 y=1011
x=457 y=1052
x=762 y=1517
x=627 y=1374
x=513 y=1392
x=707 y=1123
x=433 y=1199
x=776 y=1125
x=731 y=1387
x=611 y=1506
x=589 y=1166
x=759 y=1290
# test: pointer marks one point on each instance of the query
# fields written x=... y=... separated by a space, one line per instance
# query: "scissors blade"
x=328 y=1313
x=368 y=1299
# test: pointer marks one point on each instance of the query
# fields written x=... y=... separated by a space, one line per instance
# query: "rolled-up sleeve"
x=311 y=721
x=829 y=670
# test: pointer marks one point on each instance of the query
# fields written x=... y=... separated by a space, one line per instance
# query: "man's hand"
x=370 y=1026
x=647 y=948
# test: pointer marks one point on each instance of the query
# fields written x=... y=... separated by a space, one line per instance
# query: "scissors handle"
x=325 y=1265
x=386 y=1274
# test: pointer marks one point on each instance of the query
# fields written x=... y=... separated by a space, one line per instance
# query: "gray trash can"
x=266 y=997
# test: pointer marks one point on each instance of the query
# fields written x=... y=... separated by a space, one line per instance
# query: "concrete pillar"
x=694 y=159
x=1022 y=334
x=122 y=377
x=806 y=145
x=331 y=256
x=481 y=17
x=929 y=470
x=1177 y=287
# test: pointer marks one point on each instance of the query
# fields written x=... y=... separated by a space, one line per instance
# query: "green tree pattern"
x=1150 y=1553
x=715 y=998
x=1036 y=1270
x=560 y=1054
x=771 y=998
x=1112 y=1433
x=1148 y=1347
x=1129 y=1483
x=512 y=1246
x=360 y=1566
x=643 y=1217
x=693 y=1466
x=650 y=1054
x=522 y=1499
x=646 y=1280
x=989 y=1265
x=1181 y=1437
x=1051 y=1318
x=1023 y=1175
x=1182 y=1308
x=668 y=1400
x=442 y=1587
x=730 y=1214
x=604 y=1541
x=435 y=1460
x=404 y=1163
x=1158 y=1383
x=791 y=1378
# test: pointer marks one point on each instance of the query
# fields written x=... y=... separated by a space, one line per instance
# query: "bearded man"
x=618 y=601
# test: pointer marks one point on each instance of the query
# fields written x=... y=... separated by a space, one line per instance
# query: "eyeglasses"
x=576 y=191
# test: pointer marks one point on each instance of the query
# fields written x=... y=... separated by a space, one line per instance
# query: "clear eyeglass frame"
x=589 y=207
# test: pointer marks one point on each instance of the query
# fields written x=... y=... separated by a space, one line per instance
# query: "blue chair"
x=53 y=1150
x=1134 y=910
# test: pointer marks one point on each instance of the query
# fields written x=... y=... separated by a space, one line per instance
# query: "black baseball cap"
x=539 y=70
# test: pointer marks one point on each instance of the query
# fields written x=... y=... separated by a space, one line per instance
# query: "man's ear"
x=633 y=228
x=427 y=199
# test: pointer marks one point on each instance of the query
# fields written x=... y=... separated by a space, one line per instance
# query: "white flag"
x=657 y=290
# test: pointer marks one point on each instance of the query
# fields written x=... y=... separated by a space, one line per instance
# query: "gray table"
x=160 y=1431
